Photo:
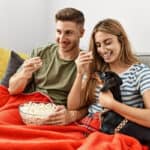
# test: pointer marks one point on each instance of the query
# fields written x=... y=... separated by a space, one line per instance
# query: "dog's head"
x=111 y=82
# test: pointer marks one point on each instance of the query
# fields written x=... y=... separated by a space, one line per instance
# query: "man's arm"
x=19 y=80
x=17 y=83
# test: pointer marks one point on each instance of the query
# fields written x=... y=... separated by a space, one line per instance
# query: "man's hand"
x=62 y=116
x=23 y=75
x=31 y=65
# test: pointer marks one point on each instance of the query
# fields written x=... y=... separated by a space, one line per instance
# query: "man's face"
x=68 y=35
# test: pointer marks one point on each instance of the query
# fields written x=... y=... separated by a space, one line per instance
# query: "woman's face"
x=108 y=46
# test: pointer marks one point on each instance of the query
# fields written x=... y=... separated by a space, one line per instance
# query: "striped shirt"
x=136 y=80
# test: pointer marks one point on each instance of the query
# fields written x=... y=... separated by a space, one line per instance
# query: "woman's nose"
x=103 y=48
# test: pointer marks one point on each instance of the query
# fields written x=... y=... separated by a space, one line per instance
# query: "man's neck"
x=69 y=55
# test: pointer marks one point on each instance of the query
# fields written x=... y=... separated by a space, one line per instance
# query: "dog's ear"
x=116 y=77
x=109 y=83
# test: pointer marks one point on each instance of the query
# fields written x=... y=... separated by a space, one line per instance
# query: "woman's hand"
x=106 y=99
x=83 y=61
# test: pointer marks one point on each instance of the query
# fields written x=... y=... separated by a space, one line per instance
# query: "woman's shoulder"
x=140 y=67
x=136 y=70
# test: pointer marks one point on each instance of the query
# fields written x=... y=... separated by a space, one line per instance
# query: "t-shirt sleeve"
x=34 y=53
x=144 y=81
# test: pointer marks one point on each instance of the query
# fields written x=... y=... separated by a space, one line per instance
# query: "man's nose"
x=62 y=36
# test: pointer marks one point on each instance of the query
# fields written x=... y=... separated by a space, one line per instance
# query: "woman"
x=111 y=51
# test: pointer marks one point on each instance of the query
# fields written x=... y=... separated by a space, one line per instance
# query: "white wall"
x=25 y=24
x=133 y=14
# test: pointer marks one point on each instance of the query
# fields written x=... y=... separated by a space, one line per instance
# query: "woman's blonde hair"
x=113 y=27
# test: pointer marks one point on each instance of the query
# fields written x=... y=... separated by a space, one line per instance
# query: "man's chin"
x=64 y=49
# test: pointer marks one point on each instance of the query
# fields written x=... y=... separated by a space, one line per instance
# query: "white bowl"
x=35 y=113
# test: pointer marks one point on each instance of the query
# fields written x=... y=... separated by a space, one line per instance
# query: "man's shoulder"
x=50 y=47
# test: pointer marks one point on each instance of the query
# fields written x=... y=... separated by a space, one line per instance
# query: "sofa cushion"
x=14 y=63
x=4 y=58
x=144 y=58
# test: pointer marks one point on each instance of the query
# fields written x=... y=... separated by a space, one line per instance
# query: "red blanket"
x=14 y=135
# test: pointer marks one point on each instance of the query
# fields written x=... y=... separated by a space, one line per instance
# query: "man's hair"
x=70 y=14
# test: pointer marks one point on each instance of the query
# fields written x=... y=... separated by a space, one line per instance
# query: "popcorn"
x=36 y=112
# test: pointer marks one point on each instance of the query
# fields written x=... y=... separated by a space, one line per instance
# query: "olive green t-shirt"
x=56 y=76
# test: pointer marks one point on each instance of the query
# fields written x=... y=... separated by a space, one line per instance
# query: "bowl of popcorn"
x=35 y=113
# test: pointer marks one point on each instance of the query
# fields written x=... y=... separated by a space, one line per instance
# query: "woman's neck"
x=119 y=67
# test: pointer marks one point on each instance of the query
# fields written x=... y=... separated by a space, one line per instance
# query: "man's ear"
x=82 y=30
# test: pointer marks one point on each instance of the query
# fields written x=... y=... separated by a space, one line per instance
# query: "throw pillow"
x=14 y=63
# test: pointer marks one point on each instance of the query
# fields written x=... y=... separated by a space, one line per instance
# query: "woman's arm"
x=76 y=97
x=138 y=115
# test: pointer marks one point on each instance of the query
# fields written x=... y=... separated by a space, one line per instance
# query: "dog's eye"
x=103 y=75
x=106 y=75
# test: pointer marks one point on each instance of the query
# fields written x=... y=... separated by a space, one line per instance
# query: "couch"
x=144 y=58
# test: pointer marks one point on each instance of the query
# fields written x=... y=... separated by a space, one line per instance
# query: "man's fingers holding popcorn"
x=32 y=64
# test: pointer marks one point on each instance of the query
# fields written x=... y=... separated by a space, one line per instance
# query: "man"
x=53 y=68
